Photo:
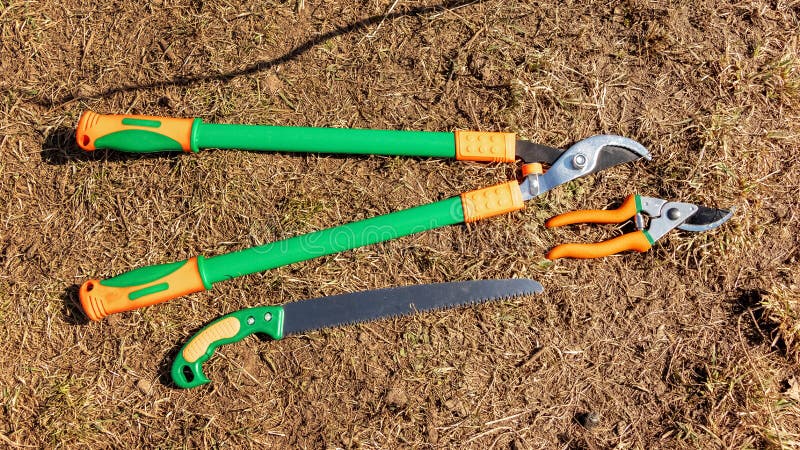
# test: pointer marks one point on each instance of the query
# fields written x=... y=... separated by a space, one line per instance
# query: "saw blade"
x=337 y=310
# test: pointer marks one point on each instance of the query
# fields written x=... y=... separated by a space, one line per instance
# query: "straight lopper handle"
x=146 y=134
x=155 y=284
x=637 y=241
x=187 y=369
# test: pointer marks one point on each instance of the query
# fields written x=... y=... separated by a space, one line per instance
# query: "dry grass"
x=691 y=345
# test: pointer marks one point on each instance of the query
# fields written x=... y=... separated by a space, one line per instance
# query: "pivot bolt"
x=673 y=214
x=579 y=161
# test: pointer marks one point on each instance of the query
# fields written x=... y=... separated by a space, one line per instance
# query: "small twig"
x=8 y=441
x=487 y=432
x=535 y=354
x=503 y=419
x=373 y=33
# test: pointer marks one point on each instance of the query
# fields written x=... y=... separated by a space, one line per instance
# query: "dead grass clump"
x=782 y=310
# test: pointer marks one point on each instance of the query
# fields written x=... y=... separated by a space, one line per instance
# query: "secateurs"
x=155 y=284
x=663 y=216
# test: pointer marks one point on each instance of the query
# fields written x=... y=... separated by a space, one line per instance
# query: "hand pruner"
x=155 y=284
x=663 y=216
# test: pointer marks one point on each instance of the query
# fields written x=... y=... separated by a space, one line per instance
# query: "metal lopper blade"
x=325 y=312
x=609 y=154
x=531 y=152
x=705 y=219
x=585 y=157
x=614 y=155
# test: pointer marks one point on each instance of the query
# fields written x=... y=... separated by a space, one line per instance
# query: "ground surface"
x=681 y=347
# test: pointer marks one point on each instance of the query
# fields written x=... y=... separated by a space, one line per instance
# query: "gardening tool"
x=148 y=134
x=155 y=284
x=663 y=216
x=324 y=312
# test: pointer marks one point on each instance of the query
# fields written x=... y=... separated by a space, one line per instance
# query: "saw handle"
x=136 y=133
x=637 y=241
x=187 y=369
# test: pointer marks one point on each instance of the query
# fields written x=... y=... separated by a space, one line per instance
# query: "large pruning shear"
x=155 y=284
x=653 y=217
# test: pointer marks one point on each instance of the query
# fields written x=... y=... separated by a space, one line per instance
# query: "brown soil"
x=671 y=348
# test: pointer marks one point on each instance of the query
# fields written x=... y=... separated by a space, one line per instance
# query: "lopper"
x=155 y=284
x=654 y=218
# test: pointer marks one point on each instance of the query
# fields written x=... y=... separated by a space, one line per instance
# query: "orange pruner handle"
x=637 y=241
x=628 y=209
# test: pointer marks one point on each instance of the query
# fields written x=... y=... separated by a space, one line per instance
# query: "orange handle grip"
x=142 y=287
x=135 y=133
x=626 y=210
x=487 y=146
x=491 y=201
x=637 y=241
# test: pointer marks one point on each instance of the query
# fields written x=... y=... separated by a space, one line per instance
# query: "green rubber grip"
x=187 y=369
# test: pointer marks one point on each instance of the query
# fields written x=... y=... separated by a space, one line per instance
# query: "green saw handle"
x=187 y=369
x=155 y=284
x=146 y=134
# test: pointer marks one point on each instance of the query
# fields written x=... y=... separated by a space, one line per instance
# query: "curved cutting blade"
x=325 y=312
x=531 y=152
x=625 y=150
x=583 y=158
x=614 y=155
x=706 y=219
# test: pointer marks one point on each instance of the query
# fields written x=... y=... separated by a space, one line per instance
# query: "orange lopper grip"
x=137 y=134
x=626 y=210
x=487 y=146
x=142 y=287
x=638 y=241
x=492 y=201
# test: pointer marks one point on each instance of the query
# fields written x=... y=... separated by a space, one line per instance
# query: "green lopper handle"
x=155 y=284
x=187 y=369
x=150 y=285
x=145 y=134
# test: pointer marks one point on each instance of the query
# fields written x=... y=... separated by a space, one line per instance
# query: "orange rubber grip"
x=636 y=241
x=625 y=211
x=134 y=133
x=140 y=288
x=491 y=201
x=487 y=146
